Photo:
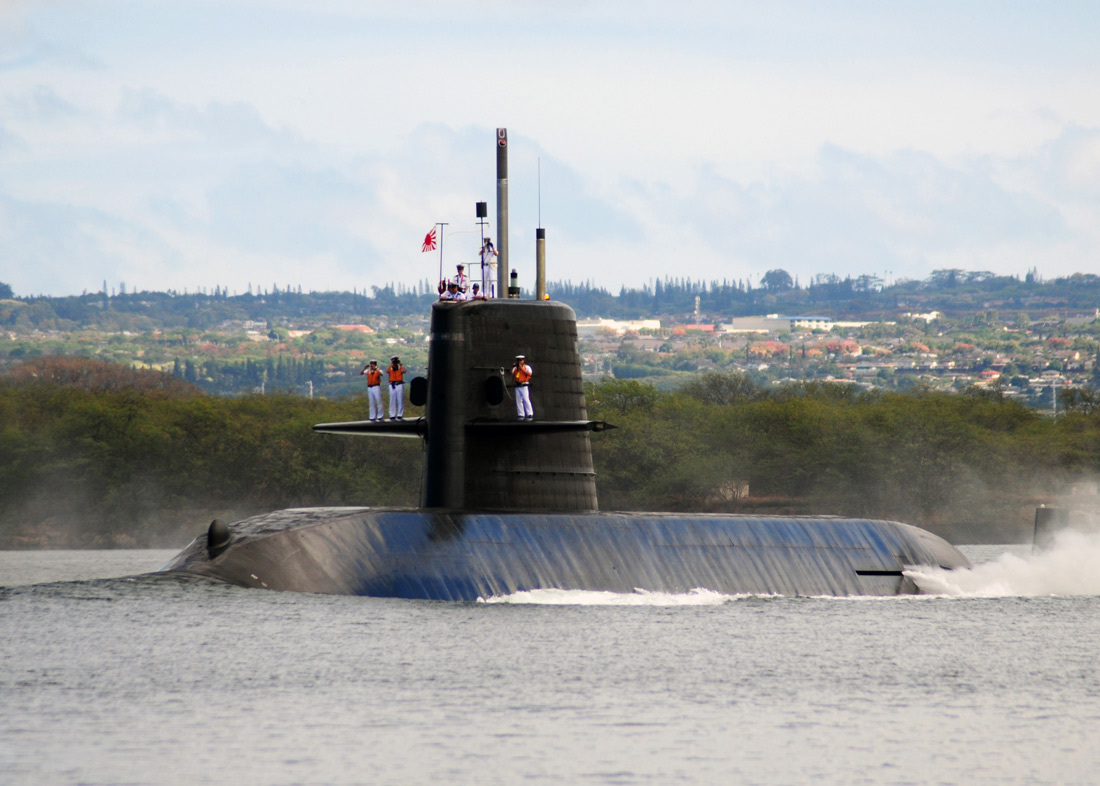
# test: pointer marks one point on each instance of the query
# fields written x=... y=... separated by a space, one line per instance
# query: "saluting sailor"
x=521 y=374
x=374 y=389
x=397 y=389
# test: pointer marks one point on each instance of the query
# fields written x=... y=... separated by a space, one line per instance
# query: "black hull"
x=465 y=556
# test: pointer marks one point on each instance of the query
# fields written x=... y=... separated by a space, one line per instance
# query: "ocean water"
x=161 y=680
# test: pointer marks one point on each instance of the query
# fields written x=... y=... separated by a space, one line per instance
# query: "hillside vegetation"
x=95 y=465
x=970 y=467
x=957 y=293
x=87 y=460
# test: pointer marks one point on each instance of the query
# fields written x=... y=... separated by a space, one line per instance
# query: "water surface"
x=170 y=680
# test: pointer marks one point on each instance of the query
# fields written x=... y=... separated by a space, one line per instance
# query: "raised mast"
x=502 y=212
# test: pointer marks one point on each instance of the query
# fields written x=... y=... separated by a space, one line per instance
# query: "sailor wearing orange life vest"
x=521 y=373
x=397 y=389
x=374 y=389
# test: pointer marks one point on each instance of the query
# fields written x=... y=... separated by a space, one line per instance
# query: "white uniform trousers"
x=397 y=400
x=523 y=402
x=374 y=396
x=488 y=280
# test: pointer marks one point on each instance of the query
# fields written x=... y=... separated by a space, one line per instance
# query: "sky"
x=186 y=145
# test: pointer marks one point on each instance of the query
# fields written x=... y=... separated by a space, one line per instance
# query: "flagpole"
x=440 y=225
x=482 y=210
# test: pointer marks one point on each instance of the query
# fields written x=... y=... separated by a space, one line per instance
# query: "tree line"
x=96 y=461
x=970 y=466
x=91 y=460
x=283 y=374
x=950 y=291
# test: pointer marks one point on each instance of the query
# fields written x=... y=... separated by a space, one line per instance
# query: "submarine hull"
x=463 y=556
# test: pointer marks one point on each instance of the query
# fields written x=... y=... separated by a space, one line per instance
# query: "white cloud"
x=183 y=145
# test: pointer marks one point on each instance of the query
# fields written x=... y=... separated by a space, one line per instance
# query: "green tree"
x=777 y=281
x=722 y=388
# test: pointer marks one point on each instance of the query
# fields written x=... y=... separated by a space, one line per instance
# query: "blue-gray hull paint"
x=455 y=556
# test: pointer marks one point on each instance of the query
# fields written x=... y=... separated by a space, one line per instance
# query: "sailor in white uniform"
x=396 y=374
x=521 y=374
x=374 y=388
x=488 y=267
x=460 y=279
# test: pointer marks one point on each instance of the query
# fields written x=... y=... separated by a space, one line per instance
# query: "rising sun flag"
x=429 y=241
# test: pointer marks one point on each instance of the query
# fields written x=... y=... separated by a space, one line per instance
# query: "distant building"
x=931 y=316
x=645 y=344
x=811 y=323
x=748 y=325
x=1081 y=321
x=590 y=327
x=773 y=323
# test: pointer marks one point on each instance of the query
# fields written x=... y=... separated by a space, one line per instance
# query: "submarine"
x=509 y=505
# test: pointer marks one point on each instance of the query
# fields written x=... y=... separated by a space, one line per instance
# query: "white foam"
x=560 y=597
x=1071 y=566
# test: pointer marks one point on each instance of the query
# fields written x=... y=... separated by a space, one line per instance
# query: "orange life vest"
x=374 y=377
x=522 y=374
x=396 y=374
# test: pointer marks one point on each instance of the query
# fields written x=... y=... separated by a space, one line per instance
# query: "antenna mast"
x=502 y=211
x=540 y=247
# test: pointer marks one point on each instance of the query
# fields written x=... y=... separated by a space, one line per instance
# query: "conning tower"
x=479 y=456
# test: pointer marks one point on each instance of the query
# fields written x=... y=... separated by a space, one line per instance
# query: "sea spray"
x=1068 y=567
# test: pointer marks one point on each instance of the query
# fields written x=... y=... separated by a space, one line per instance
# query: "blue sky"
x=179 y=145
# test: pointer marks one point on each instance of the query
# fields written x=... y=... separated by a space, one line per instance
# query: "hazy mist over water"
x=168 y=680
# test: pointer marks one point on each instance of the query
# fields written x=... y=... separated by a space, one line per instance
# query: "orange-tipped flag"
x=429 y=241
